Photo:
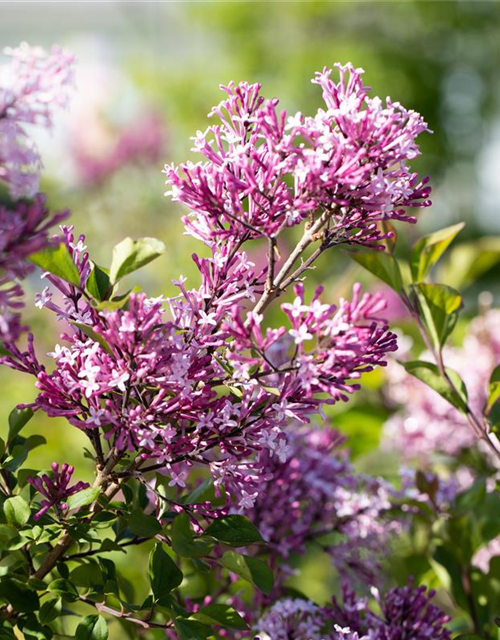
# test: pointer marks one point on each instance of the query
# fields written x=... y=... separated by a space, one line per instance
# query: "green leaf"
x=235 y=530
x=143 y=525
x=33 y=630
x=17 y=511
x=493 y=388
x=50 y=610
x=64 y=589
x=92 y=627
x=469 y=636
x=222 y=615
x=250 y=569
x=440 y=305
x=472 y=497
x=191 y=629
x=469 y=261
x=427 y=251
x=18 y=418
x=164 y=574
x=83 y=498
x=381 y=264
x=58 y=261
x=93 y=335
x=428 y=373
x=130 y=255
x=98 y=283
x=7 y=632
x=6 y=534
x=200 y=490
x=33 y=442
x=184 y=542
x=19 y=595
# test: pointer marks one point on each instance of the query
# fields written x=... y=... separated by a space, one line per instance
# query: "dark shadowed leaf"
x=235 y=530
x=92 y=628
x=251 y=569
x=17 y=419
x=164 y=574
x=220 y=614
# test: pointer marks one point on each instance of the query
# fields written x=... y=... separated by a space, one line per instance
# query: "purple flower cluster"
x=140 y=142
x=32 y=86
x=265 y=171
x=405 y=612
x=23 y=230
x=56 y=490
x=203 y=387
x=316 y=492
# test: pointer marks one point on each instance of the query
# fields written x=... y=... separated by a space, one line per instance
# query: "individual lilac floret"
x=56 y=490
x=264 y=171
x=32 y=87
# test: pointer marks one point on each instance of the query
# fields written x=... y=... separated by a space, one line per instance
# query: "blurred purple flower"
x=32 y=87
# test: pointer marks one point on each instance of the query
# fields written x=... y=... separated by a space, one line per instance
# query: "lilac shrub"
x=199 y=408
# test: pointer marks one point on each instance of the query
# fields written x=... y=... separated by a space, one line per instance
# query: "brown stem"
x=310 y=235
x=102 y=608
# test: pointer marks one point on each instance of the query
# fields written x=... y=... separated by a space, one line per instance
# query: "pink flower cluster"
x=23 y=230
x=426 y=423
x=32 y=87
x=405 y=612
x=56 y=490
x=139 y=142
x=315 y=493
x=264 y=171
x=202 y=387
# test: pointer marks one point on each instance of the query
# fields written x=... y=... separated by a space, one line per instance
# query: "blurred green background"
x=439 y=58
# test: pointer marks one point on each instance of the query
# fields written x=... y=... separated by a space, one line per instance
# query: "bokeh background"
x=147 y=75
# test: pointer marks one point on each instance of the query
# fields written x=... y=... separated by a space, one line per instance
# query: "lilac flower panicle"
x=350 y=159
x=316 y=492
x=405 y=612
x=56 y=490
x=31 y=88
x=24 y=229
x=172 y=370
